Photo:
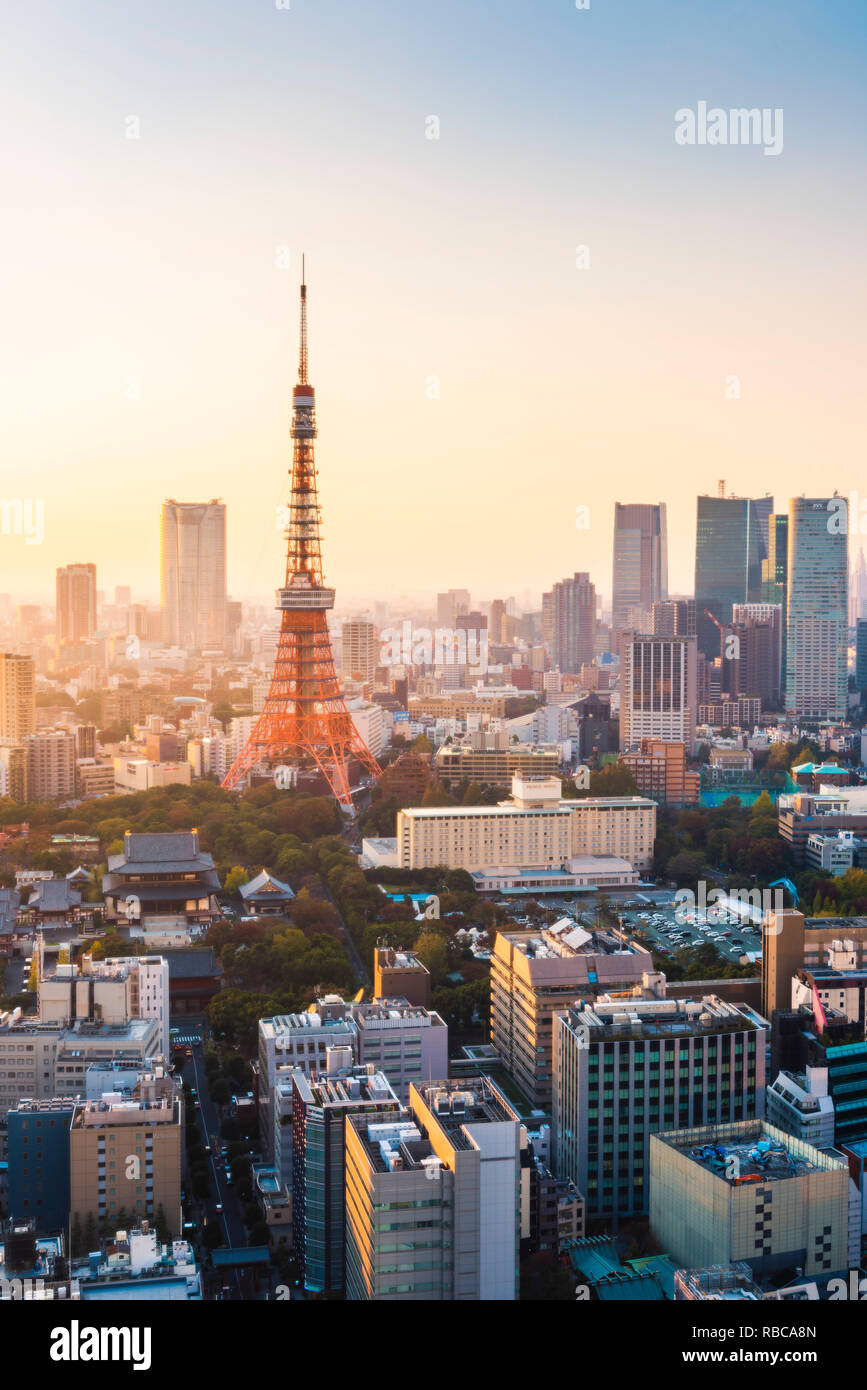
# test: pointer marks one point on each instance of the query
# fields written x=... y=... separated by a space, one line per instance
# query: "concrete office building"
x=535 y=973
x=536 y=829
x=193 y=574
x=748 y=1192
x=17 y=697
x=400 y=974
x=658 y=691
x=45 y=1061
x=320 y=1109
x=288 y=1041
x=456 y=763
x=114 y=991
x=76 y=603
x=803 y=814
x=816 y=621
x=660 y=772
x=801 y=1105
x=627 y=1068
x=791 y=942
x=126 y=1154
x=408 y=1043
x=433 y=1198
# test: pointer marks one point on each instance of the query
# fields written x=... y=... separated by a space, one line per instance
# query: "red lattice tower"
x=304 y=722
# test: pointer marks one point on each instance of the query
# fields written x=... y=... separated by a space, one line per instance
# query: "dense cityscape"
x=433 y=674
x=543 y=930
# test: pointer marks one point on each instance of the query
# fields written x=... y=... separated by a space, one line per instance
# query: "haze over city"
x=148 y=266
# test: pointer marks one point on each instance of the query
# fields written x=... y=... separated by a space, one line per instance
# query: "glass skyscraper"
x=817 y=633
x=730 y=545
x=640 y=560
x=775 y=572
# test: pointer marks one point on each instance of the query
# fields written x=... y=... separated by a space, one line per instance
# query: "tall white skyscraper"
x=193 y=574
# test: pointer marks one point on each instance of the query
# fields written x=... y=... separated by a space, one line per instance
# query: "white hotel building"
x=536 y=830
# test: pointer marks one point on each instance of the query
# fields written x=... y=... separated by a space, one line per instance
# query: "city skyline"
x=152 y=300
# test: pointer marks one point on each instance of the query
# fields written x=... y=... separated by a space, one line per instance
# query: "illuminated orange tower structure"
x=304 y=722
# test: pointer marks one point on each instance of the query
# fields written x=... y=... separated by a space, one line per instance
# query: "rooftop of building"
x=160 y=853
x=662 y=1018
x=282 y=1025
x=566 y=939
x=746 y=1152
x=468 y=1101
x=346 y=1086
x=390 y=1012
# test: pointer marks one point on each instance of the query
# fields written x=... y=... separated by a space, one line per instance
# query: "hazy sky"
x=150 y=265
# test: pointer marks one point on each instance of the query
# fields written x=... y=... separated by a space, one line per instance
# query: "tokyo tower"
x=304 y=722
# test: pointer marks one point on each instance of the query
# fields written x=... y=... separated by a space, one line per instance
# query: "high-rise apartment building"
x=755 y=665
x=433 y=1198
x=569 y=614
x=816 y=622
x=674 y=617
x=76 y=603
x=359 y=650
x=17 y=697
x=51 y=765
x=627 y=1068
x=861 y=654
x=640 y=574
x=658 y=690
x=193 y=574
x=731 y=544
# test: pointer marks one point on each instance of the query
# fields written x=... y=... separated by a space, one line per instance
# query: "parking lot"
x=652 y=916
x=668 y=930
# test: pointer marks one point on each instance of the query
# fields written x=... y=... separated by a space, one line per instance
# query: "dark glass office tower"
x=730 y=544
x=775 y=575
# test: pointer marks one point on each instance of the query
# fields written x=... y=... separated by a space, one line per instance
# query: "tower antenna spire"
x=302 y=359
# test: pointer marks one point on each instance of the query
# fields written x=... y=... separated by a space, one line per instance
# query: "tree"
x=234 y=878
x=432 y=950
x=220 y=1091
